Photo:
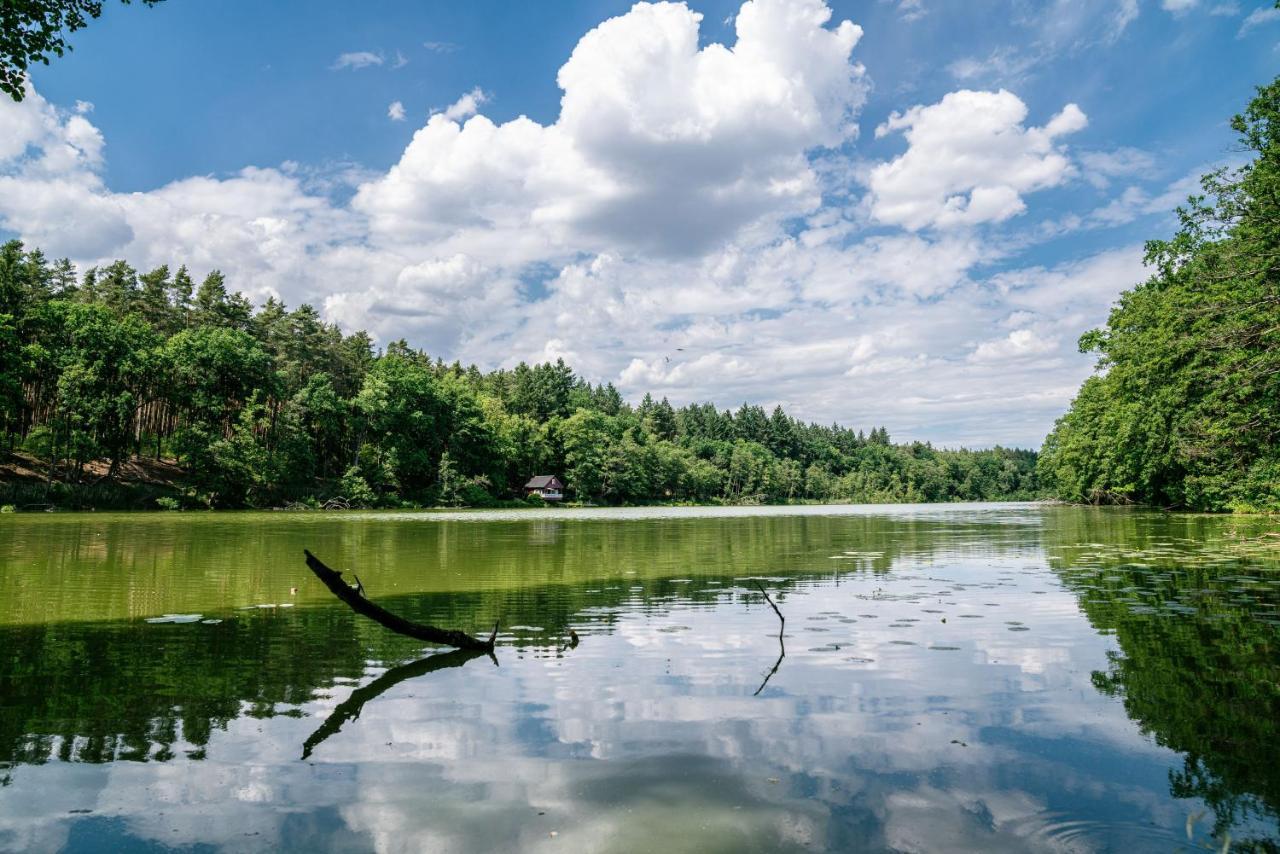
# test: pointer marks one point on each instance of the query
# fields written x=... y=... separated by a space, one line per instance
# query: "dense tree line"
x=1185 y=408
x=270 y=406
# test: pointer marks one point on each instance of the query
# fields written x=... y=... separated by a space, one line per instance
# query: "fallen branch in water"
x=354 y=597
x=782 y=647
x=350 y=708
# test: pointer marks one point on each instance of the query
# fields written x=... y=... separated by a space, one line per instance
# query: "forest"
x=1184 y=410
x=108 y=369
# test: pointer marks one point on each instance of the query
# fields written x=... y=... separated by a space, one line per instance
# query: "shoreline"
x=587 y=508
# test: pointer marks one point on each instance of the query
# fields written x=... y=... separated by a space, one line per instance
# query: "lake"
x=999 y=677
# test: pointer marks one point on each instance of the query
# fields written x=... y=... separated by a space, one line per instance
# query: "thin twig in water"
x=782 y=647
x=781 y=619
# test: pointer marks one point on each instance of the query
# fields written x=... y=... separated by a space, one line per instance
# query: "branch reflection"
x=350 y=708
x=782 y=653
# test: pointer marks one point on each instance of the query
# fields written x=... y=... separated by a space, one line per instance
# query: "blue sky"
x=908 y=225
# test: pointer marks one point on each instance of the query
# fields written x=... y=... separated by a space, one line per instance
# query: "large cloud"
x=661 y=146
x=49 y=187
x=969 y=161
x=259 y=225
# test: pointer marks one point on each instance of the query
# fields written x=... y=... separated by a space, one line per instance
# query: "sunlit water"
x=968 y=677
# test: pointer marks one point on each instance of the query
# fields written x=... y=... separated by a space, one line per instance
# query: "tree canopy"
x=1184 y=410
x=34 y=30
x=271 y=406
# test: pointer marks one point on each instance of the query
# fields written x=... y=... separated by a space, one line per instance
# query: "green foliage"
x=276 y=408
x=588 y=438
x=356 y=490
x=32 y=31
x=403 y=415
x=1185 y=409
x=10 y=371
x=449 y=483
x=105 y=363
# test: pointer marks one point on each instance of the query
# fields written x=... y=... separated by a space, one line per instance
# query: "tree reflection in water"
x=1198 y=665
x=869 y=745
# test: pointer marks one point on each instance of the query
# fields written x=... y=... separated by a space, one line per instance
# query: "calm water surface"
x=1006 y=677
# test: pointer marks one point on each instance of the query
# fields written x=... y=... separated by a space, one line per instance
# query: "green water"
x=970 y=677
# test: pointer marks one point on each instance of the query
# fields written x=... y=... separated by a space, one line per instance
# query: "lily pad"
x=176 y=618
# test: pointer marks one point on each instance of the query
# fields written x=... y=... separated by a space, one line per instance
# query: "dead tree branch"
x=332 y=579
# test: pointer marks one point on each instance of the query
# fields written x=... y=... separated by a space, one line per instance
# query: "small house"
x=546 y=486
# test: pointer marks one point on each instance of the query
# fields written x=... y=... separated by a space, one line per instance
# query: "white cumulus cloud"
x=466 y=106
x=1017 y=344
x=660 y=145
x=969 y=160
